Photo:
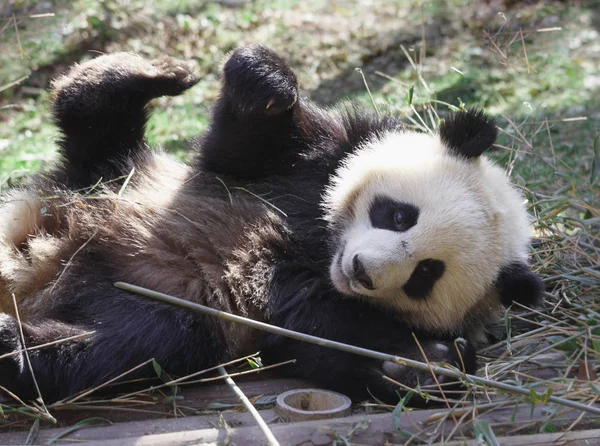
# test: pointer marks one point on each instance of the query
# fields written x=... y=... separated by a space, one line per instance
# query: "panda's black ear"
x=468 y=133
x=517 y=283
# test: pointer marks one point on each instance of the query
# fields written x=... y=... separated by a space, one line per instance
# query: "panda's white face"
x=422 y=230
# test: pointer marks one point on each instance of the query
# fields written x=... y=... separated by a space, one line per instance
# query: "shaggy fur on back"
x=243 y=229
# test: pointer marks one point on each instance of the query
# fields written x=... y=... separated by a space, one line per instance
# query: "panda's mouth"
x=423 y=278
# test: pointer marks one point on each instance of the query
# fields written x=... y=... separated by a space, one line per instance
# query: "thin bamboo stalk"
x=250 y=408
x=449 y=372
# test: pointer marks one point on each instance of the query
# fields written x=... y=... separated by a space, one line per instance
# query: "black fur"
x=128 y=331
x=255 y=80
x=469 y=133
x=297 y=293
x=102 y=112
x=516 y=283
x=286 y=152
x=259 y=110
x=389 y=214
x=423 y=278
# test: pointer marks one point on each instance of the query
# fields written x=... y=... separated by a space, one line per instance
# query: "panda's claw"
x=175 y=75
x=429 y=382
x=277 y=106
x=392 y=369
x=433 y=383
x=442 y=349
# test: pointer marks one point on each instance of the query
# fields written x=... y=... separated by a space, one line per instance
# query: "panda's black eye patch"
x=392 y=215
x=423 y=278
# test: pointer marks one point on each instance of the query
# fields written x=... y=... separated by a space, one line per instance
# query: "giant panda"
x=336 y=223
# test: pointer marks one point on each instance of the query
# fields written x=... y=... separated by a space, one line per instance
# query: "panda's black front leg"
x=255 y=122
x=99 y=107
x=325 y=314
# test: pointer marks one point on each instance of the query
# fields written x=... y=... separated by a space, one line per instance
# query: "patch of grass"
x=173 y=127
x=26 y=140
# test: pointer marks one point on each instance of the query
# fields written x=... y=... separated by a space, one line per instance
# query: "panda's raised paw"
x=174 y=75
x=258 y=81
x=459 y=354
x=122 y=75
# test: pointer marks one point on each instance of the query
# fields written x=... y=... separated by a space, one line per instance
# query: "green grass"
x=189 y=124
x=479 y=73
x=27 y=140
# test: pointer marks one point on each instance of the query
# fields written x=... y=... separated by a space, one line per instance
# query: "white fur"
x=20 y=212
x=470 y=217
x=20 y=217
x=35 y=246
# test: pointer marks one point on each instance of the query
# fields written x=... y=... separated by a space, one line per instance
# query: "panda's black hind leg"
x=15 y=374
x=258 y=81
x=100 y=109
x=255 y=123
x=123 y=333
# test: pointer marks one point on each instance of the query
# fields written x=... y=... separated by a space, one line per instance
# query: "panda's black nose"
x=360 y=274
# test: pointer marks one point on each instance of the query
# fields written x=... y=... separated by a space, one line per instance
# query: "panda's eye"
x=386 y=213
x=399 y=218
x=424 y=269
